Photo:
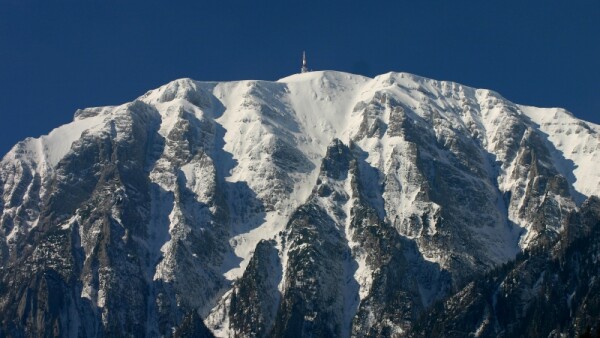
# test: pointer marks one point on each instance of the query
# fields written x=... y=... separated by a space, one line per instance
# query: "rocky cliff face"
x=323 y=204
x=551 y=291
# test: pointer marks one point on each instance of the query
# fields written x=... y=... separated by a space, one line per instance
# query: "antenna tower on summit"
x=304 y=69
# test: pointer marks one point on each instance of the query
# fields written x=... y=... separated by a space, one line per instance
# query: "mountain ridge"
x=179 y=188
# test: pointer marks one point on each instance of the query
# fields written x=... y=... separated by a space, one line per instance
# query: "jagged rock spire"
x=304 y=69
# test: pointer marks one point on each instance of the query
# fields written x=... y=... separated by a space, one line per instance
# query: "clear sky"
x=57 y=56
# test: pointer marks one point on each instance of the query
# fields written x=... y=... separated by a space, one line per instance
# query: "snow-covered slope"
x=576 y=143
x=454 y=180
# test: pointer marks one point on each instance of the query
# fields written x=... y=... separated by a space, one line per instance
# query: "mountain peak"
x=324 y=199
x=331 y=75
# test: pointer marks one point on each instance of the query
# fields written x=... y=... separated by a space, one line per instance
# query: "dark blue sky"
x=57 y=56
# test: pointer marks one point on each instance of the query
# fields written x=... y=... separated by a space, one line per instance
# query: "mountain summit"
x=324 y=204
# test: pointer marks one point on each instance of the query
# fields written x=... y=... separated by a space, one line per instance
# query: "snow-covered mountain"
x=323 y=204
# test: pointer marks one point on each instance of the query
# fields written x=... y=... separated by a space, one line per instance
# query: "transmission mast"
x=304 y=69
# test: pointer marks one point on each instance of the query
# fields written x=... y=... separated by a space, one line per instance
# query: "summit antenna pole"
x=304 y=69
